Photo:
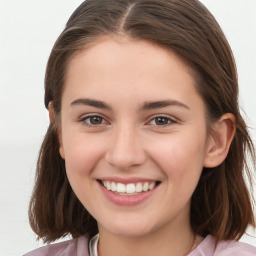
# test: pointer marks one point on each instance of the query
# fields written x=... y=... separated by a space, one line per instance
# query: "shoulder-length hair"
x=221 y=204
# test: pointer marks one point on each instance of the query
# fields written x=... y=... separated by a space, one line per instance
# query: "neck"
x=167 y=241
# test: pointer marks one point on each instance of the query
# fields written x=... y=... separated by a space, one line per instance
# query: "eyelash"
x=166 y=118
x=90 y=117
x=159 y=117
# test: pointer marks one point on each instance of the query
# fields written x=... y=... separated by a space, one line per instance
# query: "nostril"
x=125 y=160
x=126 y=151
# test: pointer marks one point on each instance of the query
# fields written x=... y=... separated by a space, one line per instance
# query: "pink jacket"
x=208 y=247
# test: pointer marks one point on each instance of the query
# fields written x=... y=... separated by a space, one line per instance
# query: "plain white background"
x=28 y=30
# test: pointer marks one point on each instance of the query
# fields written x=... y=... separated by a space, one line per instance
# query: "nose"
x=125 y=149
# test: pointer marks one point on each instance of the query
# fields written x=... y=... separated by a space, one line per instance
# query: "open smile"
x=128 y=194
x=130 y=188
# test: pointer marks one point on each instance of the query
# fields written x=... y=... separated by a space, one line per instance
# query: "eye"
x=161 y=121
x=93 y=120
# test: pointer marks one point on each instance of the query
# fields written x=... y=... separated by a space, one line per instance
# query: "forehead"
x=118 y=48
x=118 y=53
x=131 y=67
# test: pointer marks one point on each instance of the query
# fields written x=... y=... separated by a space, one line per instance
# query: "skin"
x=127 y=141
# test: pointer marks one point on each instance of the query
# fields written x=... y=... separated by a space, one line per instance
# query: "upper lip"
x=127 y=180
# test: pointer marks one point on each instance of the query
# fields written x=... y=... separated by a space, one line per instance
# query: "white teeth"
x=129 y=189
x=151 y=185
x=120 y=188
x=108 y=185
x=113 y=186
x=138 y=187
x=145 y=187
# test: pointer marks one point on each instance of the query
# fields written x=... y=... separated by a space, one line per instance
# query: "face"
x=133 y=135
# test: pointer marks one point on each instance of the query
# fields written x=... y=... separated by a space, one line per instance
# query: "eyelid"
x=87 y=116
x=170 y=118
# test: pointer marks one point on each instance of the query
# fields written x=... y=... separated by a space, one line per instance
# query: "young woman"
x=146 y=149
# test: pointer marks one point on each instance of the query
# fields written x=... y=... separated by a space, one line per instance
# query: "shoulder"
x=210 y=247
x=234 y=248
x=74 y=247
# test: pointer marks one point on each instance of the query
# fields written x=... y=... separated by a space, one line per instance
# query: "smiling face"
x=133 y=136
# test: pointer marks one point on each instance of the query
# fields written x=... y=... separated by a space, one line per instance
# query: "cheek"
x=81 y=158
x=82 y=153
x=180 y=156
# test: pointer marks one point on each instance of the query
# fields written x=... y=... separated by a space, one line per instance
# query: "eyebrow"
x=146 y=106
x=92 y=103
x=162 y=104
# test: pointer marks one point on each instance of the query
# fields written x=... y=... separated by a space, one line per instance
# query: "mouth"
x=130 y=189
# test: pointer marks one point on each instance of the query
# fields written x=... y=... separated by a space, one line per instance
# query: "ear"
x=59 y=132
x=51 y=112
x=220 y=140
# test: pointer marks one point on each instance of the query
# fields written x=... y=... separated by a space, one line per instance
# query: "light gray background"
x=28 y=29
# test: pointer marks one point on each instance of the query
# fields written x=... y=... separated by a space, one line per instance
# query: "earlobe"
x=61 y=150
x=59 y=133
x=220 y=140
x=51 y=112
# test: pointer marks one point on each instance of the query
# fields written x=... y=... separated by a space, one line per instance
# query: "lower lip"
x=122 y=200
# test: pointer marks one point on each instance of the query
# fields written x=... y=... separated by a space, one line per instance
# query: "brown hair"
x=221 y=204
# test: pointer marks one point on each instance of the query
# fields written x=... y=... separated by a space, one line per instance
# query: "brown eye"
x=161 y=121
x=93 y=120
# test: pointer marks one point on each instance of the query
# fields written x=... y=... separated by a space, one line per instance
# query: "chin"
x=126 y=228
